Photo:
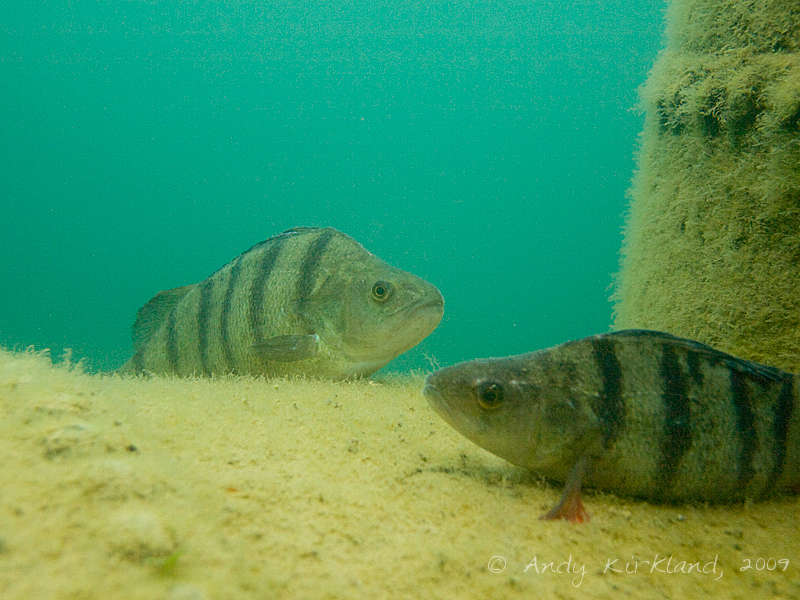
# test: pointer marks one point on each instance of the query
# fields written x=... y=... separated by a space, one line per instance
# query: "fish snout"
x=435 y=297
x=432 y=394
x=429 y=391
x=422 y=293
x=439 y=403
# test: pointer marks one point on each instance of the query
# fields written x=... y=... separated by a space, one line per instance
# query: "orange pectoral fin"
x=570 y=506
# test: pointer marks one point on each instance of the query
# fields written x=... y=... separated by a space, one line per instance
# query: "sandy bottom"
x=246 y=488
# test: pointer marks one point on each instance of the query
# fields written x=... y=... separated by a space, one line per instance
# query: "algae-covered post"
x=712 y=241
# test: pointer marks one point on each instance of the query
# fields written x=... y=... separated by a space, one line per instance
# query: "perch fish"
x=634 y=412
x=308 y=301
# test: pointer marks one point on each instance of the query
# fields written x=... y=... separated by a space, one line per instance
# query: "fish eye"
x=489 y=394
x=381 y=290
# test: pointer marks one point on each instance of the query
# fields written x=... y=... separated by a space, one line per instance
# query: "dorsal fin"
x=150 y=316
x=301 y=229
x=748 y=367
x=283 y=234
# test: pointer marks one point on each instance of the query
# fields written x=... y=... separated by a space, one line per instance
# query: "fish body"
x=635 y=412
x=308 y=301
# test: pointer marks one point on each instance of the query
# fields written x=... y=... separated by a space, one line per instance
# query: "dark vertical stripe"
x=745 y=428
x=172 y=340
x=266 y=262
x=780 y=429
x=677 y=434
x=225 y=315
x=308 y=267
x=609 y=408
x=203 y=315
x=695 y=369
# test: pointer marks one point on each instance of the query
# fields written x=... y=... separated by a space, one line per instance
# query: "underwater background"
x=486 y=147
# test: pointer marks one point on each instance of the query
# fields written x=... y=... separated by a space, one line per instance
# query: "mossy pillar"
x=712 y=240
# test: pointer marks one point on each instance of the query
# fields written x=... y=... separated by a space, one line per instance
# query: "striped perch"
x=308 y=301
x=636 y=412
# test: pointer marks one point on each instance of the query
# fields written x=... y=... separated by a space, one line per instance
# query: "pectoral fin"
x=570 y=507
x=288 y=348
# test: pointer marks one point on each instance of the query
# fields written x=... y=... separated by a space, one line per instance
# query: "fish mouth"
x=446 y=411
x=414 y=324
x=415 y=307
x=431 y=393
x=436 y=401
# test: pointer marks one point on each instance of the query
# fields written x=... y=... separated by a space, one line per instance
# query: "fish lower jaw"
x=363 y=368
x=430 y=392
x=438 y=405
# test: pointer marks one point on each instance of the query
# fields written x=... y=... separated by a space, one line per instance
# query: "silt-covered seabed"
x=245 y=487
